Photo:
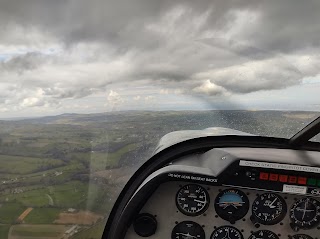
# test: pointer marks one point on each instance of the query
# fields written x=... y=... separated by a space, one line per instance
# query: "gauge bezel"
x=198 y=213
x=277 y=219
x=305 y=236
x=265 y=231
x=173 y=236
x=312 y=223
x=244 y=210
x=234 y=228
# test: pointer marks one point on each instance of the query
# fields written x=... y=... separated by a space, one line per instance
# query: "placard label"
x=294 y=189
x=300 y=168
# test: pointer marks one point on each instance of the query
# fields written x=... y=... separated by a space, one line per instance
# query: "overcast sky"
x=63 y=56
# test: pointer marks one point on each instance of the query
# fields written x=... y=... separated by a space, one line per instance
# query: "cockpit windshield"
x=88 y=89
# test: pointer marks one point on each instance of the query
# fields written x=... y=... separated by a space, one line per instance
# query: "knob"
x=145 y=225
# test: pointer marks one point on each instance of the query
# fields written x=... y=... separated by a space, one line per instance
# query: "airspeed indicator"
x=192 y=200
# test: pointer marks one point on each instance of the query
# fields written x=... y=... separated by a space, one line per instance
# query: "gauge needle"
x=187 y=235
x=196 y=200
x=304 y=212
x=271 y=204
x=227 y=236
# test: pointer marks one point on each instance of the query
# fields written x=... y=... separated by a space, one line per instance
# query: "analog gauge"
x=231 y=205
x=188 y=230
x=226 y=232
x=263 y=234
x=301 y=236
x=305 y=213
x=268 y=209
x=192 y=200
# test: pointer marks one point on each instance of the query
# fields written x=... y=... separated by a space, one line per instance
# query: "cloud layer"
x=52 y=51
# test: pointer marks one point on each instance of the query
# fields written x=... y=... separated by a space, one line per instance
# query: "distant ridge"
x=120 y=116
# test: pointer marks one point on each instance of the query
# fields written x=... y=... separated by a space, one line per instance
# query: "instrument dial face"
x=305 y=213
x=192 y=200
x=231 y=204
x=188 y=230
x=263 y=234
x=226 y=232
x=301 y=236
x=269 y=208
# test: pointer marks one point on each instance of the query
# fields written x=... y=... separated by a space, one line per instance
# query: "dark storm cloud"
x=208 y=47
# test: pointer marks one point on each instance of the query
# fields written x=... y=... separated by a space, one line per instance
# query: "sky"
x=77 y=56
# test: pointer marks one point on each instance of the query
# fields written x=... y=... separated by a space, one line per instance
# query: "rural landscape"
x=60 y=175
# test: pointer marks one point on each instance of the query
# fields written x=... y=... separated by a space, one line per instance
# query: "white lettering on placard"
x=195 y=178
x=294 y=189
x=315 y=191
x=257 y=164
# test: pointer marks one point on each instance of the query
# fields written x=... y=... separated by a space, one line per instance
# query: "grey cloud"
x=23 y=62
x=122 y=21
x=237 y=46
x=282 y=26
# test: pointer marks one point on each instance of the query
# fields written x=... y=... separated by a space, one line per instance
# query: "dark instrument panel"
x=248 y=199
x=242 y=213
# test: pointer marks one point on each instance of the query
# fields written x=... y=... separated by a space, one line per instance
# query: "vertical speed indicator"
x=192 y=200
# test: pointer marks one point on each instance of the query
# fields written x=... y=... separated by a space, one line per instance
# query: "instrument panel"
x=226 y=193
x=183 y=210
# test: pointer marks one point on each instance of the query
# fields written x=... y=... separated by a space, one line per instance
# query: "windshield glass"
x=316 y=138
x=88 y=88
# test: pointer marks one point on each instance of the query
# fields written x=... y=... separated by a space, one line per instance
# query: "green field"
x=101 y=160
x=70 y=194
x=9 y=212
x=4 y=230
x=33 y=198
x=39 y=231
x=73 y=194
x=25 y=165
x=42 y=216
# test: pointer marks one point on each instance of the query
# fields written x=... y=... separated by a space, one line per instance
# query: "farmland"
x=67 y=170
x=4 y=230
x=9 y=212
x=42 y=216
x=37 y=231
